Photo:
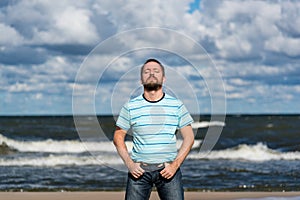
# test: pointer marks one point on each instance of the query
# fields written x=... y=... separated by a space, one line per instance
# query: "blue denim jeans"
x=168 y=189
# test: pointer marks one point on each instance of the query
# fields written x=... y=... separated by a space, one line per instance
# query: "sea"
x=49 y=153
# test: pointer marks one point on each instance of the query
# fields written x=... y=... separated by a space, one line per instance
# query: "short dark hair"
x=153 y=60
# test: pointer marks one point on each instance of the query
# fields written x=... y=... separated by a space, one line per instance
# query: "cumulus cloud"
x=72 y=25
x=248 y=30
x=281 y=44
x=50 y=78
x=255 y=45
x=46 y=22
x=9 y=36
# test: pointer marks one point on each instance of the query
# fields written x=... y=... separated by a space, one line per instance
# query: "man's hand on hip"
x=135 y=169
x=169 y=171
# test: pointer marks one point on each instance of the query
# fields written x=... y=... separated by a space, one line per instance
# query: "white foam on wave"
x=205 y=124
x=69 y=146
x=55 y=146
x=66 y=152
x=61 y=160
x=257 y=152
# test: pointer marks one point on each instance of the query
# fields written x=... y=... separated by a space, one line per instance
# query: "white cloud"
x=296 y=88
x=82 y=90
x=233 y=47
x=135 y=13
x=247 y=30
x=255 y=45
x=9 y=36
x=281 y=44
x=59 y=22
x=51 y=77
x=290 y=18
x=19 y=87
x=235 y=96
x=72 y=25
x=38 y=96
x=240 y=82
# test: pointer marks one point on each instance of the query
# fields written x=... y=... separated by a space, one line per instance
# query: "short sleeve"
x=184 y=117
x=123 y=120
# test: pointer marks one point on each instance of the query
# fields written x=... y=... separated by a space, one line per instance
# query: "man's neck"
x=153 y=95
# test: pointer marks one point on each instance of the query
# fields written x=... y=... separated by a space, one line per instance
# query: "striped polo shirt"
x=153 y=126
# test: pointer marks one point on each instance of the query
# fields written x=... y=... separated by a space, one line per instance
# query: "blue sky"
x=254 y=47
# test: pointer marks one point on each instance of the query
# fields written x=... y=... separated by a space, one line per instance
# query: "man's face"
x=152 y=76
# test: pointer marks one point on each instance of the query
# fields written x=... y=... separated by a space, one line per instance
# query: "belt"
x=152 y=167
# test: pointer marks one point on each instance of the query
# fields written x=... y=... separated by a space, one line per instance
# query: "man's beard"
x=152 y=86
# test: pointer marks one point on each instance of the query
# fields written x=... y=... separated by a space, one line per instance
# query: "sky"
x=61 y=57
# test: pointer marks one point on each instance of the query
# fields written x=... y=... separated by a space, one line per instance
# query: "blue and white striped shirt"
x=153 y=125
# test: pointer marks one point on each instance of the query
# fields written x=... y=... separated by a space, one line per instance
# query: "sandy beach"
x=154 y=196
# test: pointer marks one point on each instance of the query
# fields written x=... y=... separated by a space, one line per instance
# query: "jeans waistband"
x=152 y=167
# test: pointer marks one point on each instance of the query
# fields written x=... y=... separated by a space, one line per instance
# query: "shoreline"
x=154 y=195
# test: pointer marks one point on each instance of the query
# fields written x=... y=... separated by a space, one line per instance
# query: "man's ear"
x=164 y=79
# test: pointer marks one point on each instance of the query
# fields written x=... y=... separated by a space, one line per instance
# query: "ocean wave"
x=63 y=152
x=68 y=146
x=206 y=124
x=257 y=152
x=56 y=146
x=61 y=160
x=252 y=153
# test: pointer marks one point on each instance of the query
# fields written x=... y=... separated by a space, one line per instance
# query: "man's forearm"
x=188 y=141
x=123 y=153
x=122 y=149
x=134 y=168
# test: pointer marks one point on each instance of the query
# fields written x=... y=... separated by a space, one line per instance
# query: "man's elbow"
x=192 y=140
x=119 y=137
x=116 y=140
x=190 y=137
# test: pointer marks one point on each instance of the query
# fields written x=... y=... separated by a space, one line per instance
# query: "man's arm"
x=188 y=141
x=119 y=142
